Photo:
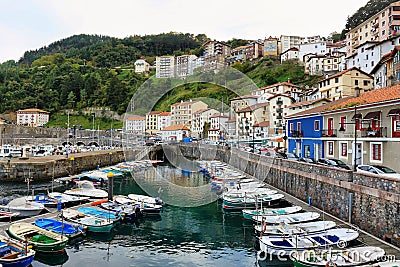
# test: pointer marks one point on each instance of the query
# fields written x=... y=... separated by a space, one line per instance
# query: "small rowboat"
x=289 y=218
x=292 y=229
x=339 y=258
x=40 y=239
x=14 y=253
x=58 y=227
x=248 y=214
x=285 y=245
x=92 y=223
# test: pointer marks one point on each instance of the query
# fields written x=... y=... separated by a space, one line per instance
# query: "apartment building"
x=185 y=65
x=165 y=67
x=181 y=112
x=217 y=129
x=271 y=47
x=164 y=120
x=152 y=122
x=379 y=27
x=32 y=117
x=350 y=82
x=199 y=119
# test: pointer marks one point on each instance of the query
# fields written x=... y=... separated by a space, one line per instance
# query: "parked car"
x=378 y=170
x=336 y=163
x=288 y=156
x=308 y=160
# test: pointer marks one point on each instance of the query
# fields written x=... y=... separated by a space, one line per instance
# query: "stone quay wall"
x=370 y=202
x=47 y=168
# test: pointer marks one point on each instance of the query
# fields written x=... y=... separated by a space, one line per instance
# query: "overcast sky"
x=31 y=24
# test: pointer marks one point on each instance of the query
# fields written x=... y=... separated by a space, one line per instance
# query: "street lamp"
x=342 y=129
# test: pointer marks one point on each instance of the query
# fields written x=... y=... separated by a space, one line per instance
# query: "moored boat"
x=67 y=200
x=14 y=253
x=58 y=227
x=24 y=208
x=92 y=223
x=250 y=203
x=285 y=245
x=86 y=189
x=288 y=218
x=146 y=199
x=339 y=258
x=248 y=214
x=99 y=213
x=40 y=239
x=291 y=229
x=127 y=211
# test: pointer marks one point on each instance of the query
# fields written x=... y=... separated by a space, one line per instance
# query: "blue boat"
x=59 y=227
x=108 y=215
x=14 y=253
x=43 y=199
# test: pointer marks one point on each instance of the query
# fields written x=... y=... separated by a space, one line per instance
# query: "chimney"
x=288 y=80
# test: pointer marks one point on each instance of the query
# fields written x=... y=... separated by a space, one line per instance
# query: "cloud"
x=39 y=22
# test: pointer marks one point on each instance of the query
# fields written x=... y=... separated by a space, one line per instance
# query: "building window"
x=330 y=148
x=307 y=151
x=299 y=126
x=336 y=80
x=316 y=125
x=376 y=152
x=290 y=127
x=343 y=122
x=343 y=150
x=356 y=82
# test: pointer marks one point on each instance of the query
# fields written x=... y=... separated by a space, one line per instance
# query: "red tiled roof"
x=319 y=108
x=32 y=110
x=201 y=110
x=136 y=119
x=262 y=124
x=154 y=112
x=278 y=84
x=175 y=128
x=374 y=96
x=230 y=121
x=218 y=115
x=164 y=113
x=253 y=107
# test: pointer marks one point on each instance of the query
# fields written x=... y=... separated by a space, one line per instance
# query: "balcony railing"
x=377 y=132
x=279 y=102
x=297 y=134
x=329 y=133
x=279 y=117
x=279 y=110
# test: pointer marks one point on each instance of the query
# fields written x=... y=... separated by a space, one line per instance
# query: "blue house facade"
x=304 y=136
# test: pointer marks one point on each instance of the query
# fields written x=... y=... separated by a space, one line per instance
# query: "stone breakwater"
x=46 y=168
x=370 y=202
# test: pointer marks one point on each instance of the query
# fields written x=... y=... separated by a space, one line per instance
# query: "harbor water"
x=179 y=236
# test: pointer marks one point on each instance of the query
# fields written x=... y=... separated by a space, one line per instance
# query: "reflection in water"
x=193 y=236
x=52 y=259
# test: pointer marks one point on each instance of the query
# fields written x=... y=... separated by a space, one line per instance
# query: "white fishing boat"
x=145 y=199
x=67 y=199
x=229 y=203
x=289 y=218
x=86 y=189
x=248 y=214
x=298 y=228
x=23 y=207
x=285 y=245
x=339 y=258
x=93 y=224
x=255 y=192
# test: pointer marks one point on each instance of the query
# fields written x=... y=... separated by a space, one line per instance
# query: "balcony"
x=329 y=133
x=279 y=110
x=376 y=132
x=297 y=134
x=279 y=102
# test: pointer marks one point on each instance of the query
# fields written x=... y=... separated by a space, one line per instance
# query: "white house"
x=32 y=117
x=135 y=124
x=370 y=53
x=291 y=53
x=165 y=67
x=141 y=66
x=312 y=48
x=217 y=131
x=174 y=133
x=199 y=118
x=164 y=120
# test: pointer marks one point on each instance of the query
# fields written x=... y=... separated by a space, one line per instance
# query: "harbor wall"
x=47 y=168
x=370 y=202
